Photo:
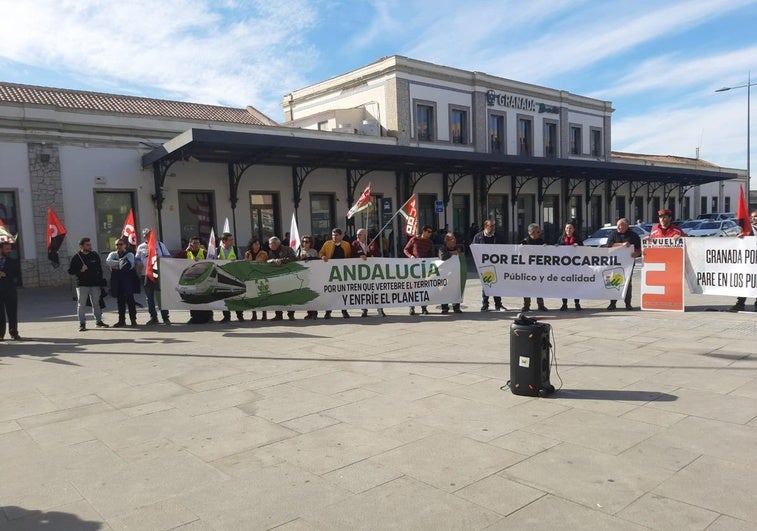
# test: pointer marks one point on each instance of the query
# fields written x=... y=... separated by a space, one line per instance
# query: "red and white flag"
x=151 y=267
x=410 y=212
x=129 y=232
x=742 y=215
x=5 y=235
x=363 y=202
x=56 y=232
x=294 y=235
x=212 y=249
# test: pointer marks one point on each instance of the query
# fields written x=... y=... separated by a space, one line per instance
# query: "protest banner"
x=312 y=285
x=722 y=266
x=662 y=275
x=553 y=271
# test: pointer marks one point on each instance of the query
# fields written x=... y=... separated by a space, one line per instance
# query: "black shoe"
x=16 y=337
x=167 y=321
x=526 y=309
x=345 y=314
x=240 y=318
x=445 y=310
x=152 y=321
x=542 y=308
x=629 y=307
x=611 y=307
x=424 y=310
x=134 y=324
x=327 y=315
x=412 y=311
x=485 y=308
x=100 y=324
x=82 y=327
x=381 y=312
x=278 y=318
x=564 y=307
x=364 y=313
x=737 y=308
x=225 y=320
x=457 y=310
x=499 y=308
x=578 y=307
x=120 y=324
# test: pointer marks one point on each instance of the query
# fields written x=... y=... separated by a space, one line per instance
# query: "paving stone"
x=659 y=512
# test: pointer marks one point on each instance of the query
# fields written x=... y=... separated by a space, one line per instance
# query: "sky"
x=659 y=62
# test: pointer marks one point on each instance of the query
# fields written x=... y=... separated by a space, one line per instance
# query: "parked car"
x=599 y=238
x=690 y=224
x=717 y=216
x=726 y=227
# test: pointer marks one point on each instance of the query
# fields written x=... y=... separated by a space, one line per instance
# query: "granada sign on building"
x=519 y=102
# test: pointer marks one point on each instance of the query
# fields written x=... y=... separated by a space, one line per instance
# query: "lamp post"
x=748 y=86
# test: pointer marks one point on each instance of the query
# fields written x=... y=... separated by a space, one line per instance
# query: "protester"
x=279 y=254
x=124 y=282
x=227 y=251
x=534 y=238
x=361 y=248
x=447 y=251
x=334 y=249
x=568 y=237
x=307 y=253
x=740 y=305
x=420 y=247
x=196 y=252
x=665 y=228
x=488 y=236
x=141 y=261
x=622 y=236
x=10 y=275
x=255 y=253
x=87 y=268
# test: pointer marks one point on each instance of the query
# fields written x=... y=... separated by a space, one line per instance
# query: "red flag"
x=151 y=267
x=363 y=202
x=410 y=212
x=742 y=215
x=129 y=232
x=55 y=234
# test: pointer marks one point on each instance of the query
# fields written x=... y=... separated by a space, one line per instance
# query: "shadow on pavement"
x=21 y=518
x=615 y=394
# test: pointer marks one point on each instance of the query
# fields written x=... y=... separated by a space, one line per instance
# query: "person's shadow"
x=26 y=519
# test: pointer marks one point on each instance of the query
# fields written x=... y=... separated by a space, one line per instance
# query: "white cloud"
x=194 y=50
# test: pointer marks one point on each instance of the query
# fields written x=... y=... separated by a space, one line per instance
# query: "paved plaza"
x=394 y=423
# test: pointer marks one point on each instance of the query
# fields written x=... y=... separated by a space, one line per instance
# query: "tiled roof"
x=117 y=103
x=662 y=159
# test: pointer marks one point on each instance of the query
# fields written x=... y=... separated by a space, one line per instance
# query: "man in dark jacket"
x=534 y=238
x=87 y=268
x=623 y=236
x=10 y=273
x=279 y=254
x=488 y=236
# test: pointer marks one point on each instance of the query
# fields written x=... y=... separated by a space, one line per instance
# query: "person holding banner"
x=420 y=247
x=279 y=254
x=447 y=251
x=740 y=305
x=255 y=253
x=196 y=252
x=335 y=248
x=569 y=237
x=307 y=253
x=227 y=251
x=488 y=235
x=665 y=228
x=623 y=237
x=362 y=249
x=534 y=238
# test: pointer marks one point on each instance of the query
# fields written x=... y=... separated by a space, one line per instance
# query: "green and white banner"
x=313 y=285
x=553 y=271
x=722 y=266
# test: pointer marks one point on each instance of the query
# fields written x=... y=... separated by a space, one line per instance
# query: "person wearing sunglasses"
x=740 y=305
x=124 y=282
x=420 y=247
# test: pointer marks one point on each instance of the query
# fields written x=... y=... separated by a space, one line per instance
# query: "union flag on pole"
x=363 y=202
x=742 y=215
x=129 y=232
x=410 y=212
x=151 y=267
x=56 y=232
x=294 y=235
x=212 y=250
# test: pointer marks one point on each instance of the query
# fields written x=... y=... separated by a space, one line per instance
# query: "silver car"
x=726 y=227
x=599 y=238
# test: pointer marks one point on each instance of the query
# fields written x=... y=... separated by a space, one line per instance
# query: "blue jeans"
x=93 y=292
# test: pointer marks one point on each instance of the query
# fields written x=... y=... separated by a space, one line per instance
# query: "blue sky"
x=659 y=62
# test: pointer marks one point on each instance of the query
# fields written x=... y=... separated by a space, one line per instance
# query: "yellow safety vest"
x=231 y=256
x=200 y=254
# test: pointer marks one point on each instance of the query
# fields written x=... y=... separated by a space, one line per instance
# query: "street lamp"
x=748 y=86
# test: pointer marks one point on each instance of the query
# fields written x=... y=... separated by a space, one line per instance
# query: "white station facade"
x=471 y=145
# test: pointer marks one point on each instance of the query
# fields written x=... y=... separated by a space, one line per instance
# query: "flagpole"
x=381 y=230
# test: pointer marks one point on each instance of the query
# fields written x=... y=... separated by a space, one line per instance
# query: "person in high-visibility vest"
x=227 y=251
x=195 y=252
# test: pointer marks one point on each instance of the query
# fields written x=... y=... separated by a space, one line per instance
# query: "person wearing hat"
x=140 y=258
x=665 y=228
x=335 y=248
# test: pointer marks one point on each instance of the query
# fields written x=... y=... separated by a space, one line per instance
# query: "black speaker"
x=529 y=358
